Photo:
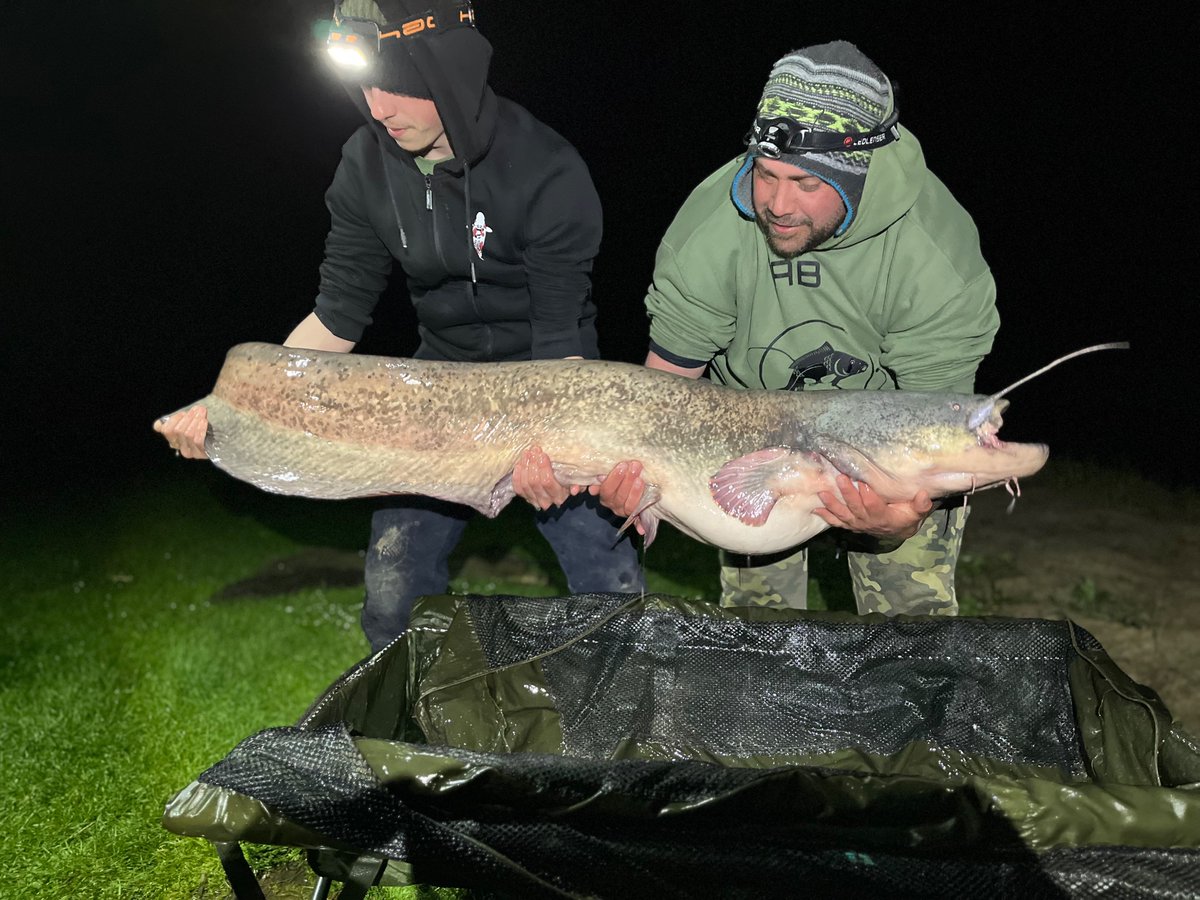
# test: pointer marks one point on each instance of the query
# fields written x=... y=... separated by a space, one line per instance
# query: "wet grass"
x=122 y=681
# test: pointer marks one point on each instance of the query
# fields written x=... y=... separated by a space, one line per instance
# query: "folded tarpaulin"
x=608 y=745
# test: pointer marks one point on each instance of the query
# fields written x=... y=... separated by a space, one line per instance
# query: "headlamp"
x=354 y=43
x=775 y=137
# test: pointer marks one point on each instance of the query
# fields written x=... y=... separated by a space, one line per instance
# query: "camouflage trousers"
x=917 y=578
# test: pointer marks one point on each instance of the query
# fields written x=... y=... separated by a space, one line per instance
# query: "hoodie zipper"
x=433 y=222
x=489 y=342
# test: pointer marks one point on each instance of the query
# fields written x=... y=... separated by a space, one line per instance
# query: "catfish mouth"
x=989 y=461
x=985 y=466
x=943 y=471
x=952 y=459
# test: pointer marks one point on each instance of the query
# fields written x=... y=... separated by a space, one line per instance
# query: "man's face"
x=413 y=124
x=795 y=210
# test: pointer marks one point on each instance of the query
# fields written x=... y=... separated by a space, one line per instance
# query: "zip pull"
x=392 y=196
x=428 y=193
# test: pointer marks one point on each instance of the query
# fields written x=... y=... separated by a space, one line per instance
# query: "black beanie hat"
x=396 y=73
x=395 y=69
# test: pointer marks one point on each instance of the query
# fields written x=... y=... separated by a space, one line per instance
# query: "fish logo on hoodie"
x=479 y=233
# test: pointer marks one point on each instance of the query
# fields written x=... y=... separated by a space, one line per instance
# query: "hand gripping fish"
x=738 y=469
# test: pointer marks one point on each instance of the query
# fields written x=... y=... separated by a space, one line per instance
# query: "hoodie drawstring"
x=391 y=194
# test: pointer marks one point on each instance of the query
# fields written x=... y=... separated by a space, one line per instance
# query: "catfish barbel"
x=738 y=469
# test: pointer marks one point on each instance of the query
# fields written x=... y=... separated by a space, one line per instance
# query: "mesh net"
x=699 y=684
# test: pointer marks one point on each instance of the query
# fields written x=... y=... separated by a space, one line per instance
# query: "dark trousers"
x=411 y=545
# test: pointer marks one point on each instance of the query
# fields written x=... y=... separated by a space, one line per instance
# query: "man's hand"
x=533 y=478
x=621 y=490
x=861 y=509
x=185 y=432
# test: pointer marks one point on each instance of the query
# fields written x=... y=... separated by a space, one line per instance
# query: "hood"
x=452 y=63
x=895 y=178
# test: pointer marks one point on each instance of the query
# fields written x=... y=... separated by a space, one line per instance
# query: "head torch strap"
x=353 y=30
x=458 y=15
x=775 y=137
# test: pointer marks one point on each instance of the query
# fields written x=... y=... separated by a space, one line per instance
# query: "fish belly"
x=297 y=462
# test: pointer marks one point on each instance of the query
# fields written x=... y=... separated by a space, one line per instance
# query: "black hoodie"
x=508 y=277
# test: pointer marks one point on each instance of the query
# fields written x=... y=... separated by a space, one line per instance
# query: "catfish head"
x=907 y=441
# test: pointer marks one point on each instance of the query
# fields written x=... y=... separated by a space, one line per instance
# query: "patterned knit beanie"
x=832 y=88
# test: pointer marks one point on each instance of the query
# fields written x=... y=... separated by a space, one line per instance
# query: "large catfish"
x=738 y=469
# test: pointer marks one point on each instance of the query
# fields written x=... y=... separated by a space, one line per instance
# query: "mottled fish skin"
x=341 y=425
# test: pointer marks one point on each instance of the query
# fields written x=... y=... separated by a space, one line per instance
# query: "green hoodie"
x=903 y=299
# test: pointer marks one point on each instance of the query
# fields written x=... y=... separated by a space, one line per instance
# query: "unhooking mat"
x=621 y=746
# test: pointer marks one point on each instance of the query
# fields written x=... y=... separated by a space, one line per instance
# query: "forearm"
x=555 y=339
x=563 y=228
x=357 y=263
x=311 y=334
x=942 y=351
x=654 y=361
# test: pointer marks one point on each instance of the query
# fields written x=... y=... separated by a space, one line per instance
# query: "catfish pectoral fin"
x=644 y=514
x=748 y=487
x=501 y=495
x=855 y=463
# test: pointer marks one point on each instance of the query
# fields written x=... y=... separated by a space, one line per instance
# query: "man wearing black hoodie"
x=495 y=222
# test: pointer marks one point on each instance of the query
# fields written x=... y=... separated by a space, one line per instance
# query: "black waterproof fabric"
x=876 y=689
x=627 y=746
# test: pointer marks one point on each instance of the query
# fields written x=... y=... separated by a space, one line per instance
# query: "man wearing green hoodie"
x=826 y=257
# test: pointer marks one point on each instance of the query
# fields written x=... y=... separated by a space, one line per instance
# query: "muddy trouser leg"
x=583 y=535
x=917 y=578
x=777 y=580
x=407 y=558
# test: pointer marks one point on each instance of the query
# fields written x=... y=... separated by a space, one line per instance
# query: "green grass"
x=122 y=680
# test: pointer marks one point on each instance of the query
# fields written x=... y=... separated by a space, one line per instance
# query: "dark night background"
x=166 y=165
